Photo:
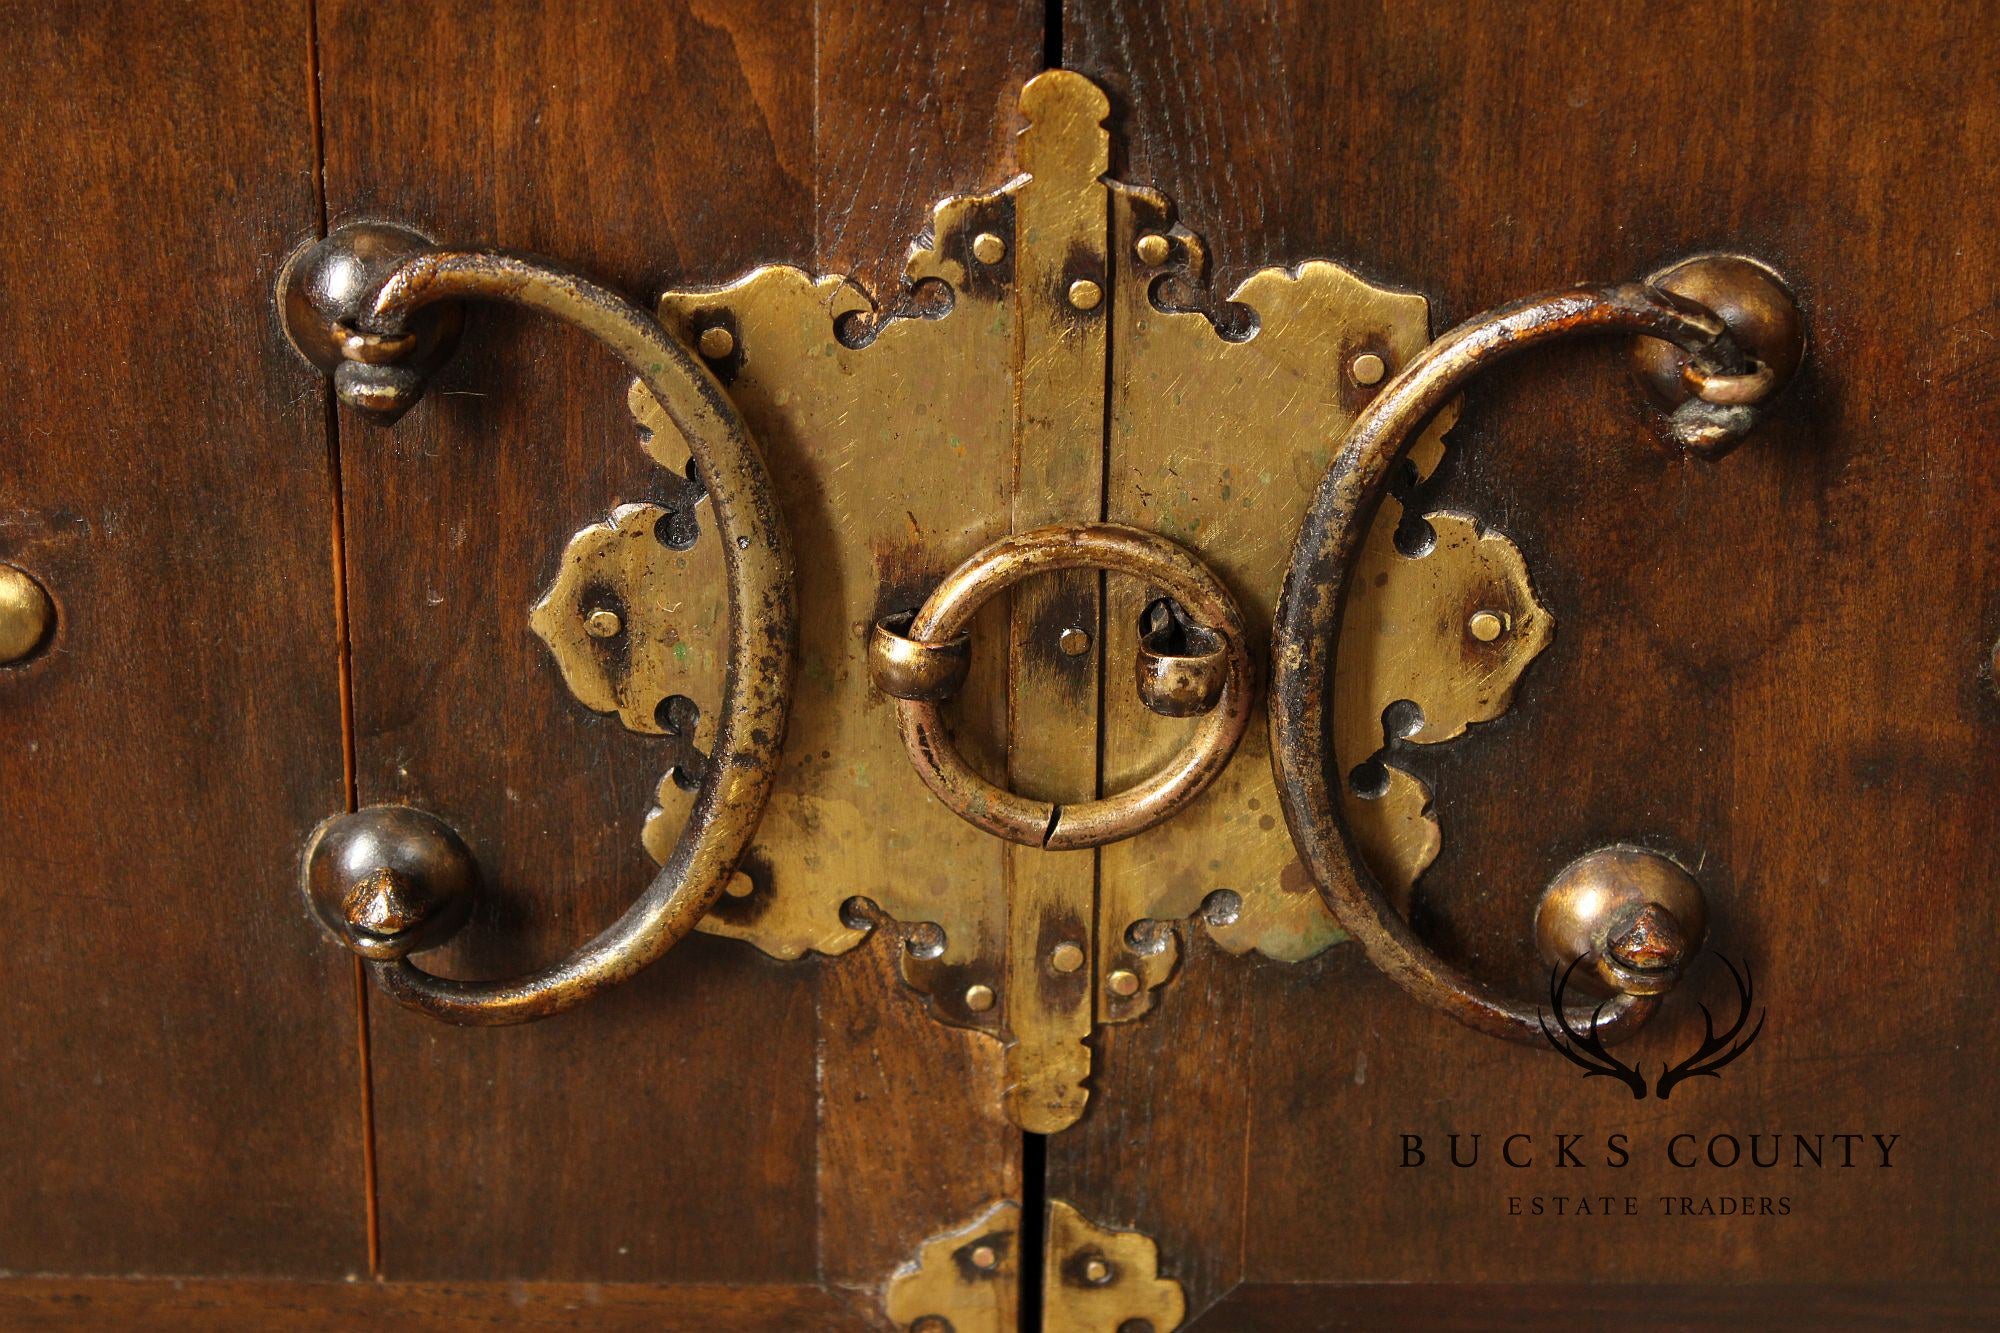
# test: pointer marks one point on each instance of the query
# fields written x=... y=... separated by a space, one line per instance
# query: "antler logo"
x=1586 y=1049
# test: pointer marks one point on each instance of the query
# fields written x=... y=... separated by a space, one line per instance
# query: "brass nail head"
x=1066 y=957
x=1073 y=642
x=988 y=248
x=739 y=886
x=979 y=998
x=1153 y=248
x=1096 y=1271
x=25 y=614
x=983 y=1256
x=1085 y=294
x=1368 y=368
x=717 y=342
x=1123 y=982
x=1485 y=626
x=603 y=623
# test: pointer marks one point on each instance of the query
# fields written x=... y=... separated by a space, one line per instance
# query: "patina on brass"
x=26 y=615
x=967 y=1280
x=389 y=881
x=978 y=402
x=1151 y=800
x=1632 y=917
x=1319 y=582
x=1096 y=1279
x=733 y=779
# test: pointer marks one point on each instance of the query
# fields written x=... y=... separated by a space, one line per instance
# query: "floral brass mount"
x=902 y=441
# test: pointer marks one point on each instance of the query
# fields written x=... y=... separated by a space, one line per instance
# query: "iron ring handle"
x=418 y=875
x=1309 y=608
x=921 y=660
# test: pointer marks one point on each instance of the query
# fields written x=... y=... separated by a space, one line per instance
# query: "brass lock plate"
x=1054 y=356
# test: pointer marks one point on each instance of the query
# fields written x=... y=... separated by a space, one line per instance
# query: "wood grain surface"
x=178 y=1086
x=1774 y=668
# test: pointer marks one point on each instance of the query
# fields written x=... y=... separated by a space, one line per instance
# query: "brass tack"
x=1123 y=982
x=1153 y=248
x=740 y=886
x=1073 y=642
x=1096 y=1271
x=1066 y=957
x=25 y=614
x=603 y=623
x=717 y=342
x=983 y=1256
x=988 y=248
x=1085 y=294
x=1368 y=369
x=1485 y=626
x=979 y=998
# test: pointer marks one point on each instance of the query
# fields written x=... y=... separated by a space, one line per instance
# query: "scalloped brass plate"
x=1054 y=355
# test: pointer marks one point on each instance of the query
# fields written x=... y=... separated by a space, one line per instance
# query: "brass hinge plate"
x=1054 y=355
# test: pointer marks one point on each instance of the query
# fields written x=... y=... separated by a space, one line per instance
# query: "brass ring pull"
x=389 y=881
x=1203 y=671
x=1628 y=916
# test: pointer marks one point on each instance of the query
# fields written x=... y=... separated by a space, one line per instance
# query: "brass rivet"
x=1123 y=982
x=979 y=998
x=1153 y=248
x=1485 y=626
x=740 y=886
x=983 y=1256
x=1073 y=642
x=603 y=623
x=988 y=248
x=1085 y=294
x=1096 y=1271
x=1066 y=957
x=25 y=613
x=1367 y=369
x=717 y=342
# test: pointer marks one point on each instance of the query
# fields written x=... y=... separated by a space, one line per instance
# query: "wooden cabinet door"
x=1777 y=669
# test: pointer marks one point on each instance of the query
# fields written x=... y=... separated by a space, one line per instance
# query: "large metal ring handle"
x=1309 y=609
x=922 y=662
x=420 y=875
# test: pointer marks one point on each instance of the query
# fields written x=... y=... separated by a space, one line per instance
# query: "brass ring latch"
x=1718 y=337
x=375 y=307
x=1192 y=662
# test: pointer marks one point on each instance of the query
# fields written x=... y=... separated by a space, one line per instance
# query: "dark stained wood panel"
x=1774 y=667
x=725 y=1118
x=178 y=1082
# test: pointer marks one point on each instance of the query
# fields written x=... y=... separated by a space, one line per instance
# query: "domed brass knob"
x=1633 y=917
x=389 y=881
x=25 y=615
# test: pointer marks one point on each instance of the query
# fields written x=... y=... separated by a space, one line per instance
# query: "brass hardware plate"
x=1053 y=357
x=1099 y=1280
x=967 y=1280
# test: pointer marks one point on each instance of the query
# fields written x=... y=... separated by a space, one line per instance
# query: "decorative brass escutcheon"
x=1053 y=361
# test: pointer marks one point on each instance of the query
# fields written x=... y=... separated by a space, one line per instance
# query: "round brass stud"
x=1633 y=916
x=1085 y=294
x=389 y=881
x=988 y=248
x=603 y=623
x=25 y=614
x=1367 y=368
x=1485 y=626
x=740 y=886
x=716 y=342
x=1123 y=983
x=1096 y=1271
x=1066 y=957
x=1153 y=248
x=979 y=998
x=1073 y=642
x=984 y=1257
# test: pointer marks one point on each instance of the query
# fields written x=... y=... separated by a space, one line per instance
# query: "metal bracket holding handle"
x=1055 y=450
